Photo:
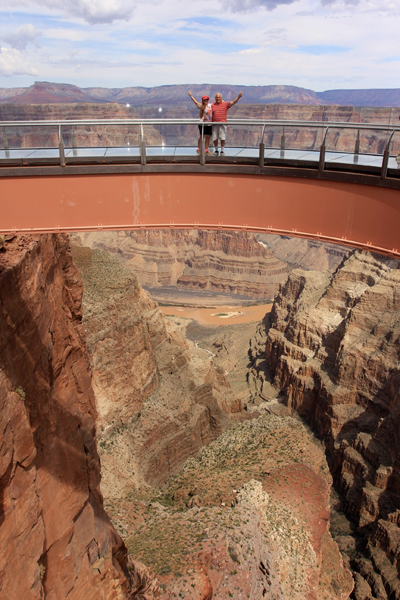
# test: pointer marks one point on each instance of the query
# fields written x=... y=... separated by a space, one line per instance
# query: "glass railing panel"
x=170 y=135
x=293 y=137
x=243 y=136
x=373 y=141
x=362 y=141
x=341 y=140
x=107 y=135
x=186 y=135
x=394 y=152
x=378 y=115
x=28 y=136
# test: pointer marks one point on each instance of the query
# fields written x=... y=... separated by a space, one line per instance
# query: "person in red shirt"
x=219 y=114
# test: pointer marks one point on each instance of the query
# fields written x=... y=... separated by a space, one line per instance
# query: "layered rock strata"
x=311 y=255
x=222 y=261
x=159 y=400
x=333 y=350
x=56 y=539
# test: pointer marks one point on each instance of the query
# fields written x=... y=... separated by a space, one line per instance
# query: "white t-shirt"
x=207 y=115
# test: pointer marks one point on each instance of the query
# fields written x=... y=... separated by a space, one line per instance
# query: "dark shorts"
x=207 y=129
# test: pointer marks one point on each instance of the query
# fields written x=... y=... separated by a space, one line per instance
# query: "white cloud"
x=92 y=11
x=97 y=11
x=254 y=42
x=249 y=5
x=364 y=5
x=12 y=63
x=276 y=35
x=67 y=33
x=250 y=51
x=23 y=36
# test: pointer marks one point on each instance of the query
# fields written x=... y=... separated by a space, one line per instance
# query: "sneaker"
x=222 y=153
x=216 y=152
x=207 y=151
x=198 y=150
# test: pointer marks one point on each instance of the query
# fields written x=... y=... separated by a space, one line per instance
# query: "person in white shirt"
x=205 y=117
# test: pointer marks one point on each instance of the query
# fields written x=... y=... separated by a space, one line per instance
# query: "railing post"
x=143 y=153
x=203 y=151
x=143 y=160
x=357 y=147
x=61 y=147
x=5 y=142
x=385 y=159
x=385 y=162
x=321 y=164
x=261 y=158
x=283 y=143
x=73 y=140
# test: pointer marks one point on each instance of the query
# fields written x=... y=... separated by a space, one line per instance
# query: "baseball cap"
x=205 y=97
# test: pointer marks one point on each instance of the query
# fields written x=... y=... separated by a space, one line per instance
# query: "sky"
x=316 y=44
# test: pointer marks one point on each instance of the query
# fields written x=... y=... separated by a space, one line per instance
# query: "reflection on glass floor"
x=169 y=152
x=21 y=153
x=125 y=152
x=84 y=152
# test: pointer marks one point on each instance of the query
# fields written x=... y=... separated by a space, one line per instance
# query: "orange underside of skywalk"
x=359 y=215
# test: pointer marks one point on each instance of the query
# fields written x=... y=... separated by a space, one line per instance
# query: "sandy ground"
x=223 y=315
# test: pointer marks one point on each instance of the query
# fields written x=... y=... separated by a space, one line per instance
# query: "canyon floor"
x=248 y=517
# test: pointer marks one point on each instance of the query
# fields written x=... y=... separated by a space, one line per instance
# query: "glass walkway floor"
x=26 y=156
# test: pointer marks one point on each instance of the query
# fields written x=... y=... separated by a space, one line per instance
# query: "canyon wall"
x=56 y=539
x=160 y=399
x=218 y=261
x=333 y=350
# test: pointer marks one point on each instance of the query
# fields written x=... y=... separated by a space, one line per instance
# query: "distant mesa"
x=42 y=92
x=48 y=93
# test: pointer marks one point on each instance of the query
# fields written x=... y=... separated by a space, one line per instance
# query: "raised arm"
x=235 y=100
x=198 y=104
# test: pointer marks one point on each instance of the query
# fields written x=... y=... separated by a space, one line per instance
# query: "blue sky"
x=317 y=44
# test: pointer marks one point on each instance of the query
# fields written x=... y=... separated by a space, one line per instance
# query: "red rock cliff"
x=334 y=350
x=56 y=539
